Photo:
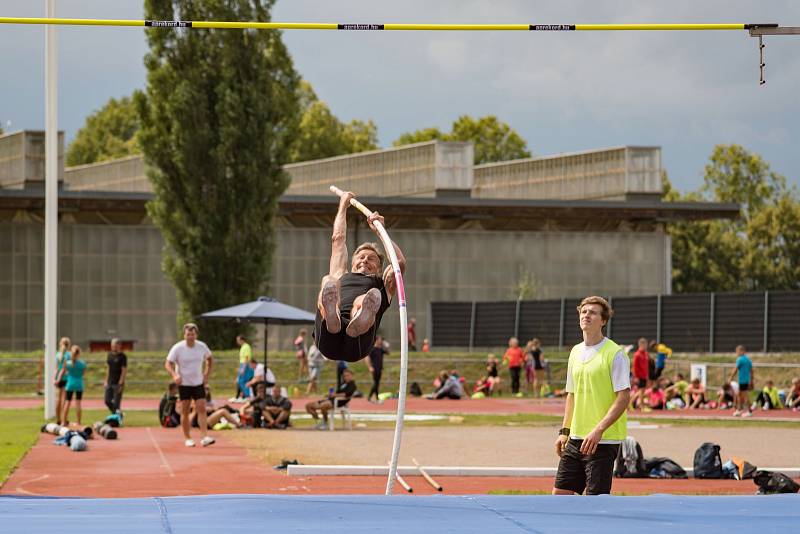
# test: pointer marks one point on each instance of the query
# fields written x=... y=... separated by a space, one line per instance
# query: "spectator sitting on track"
x=727 y=394
x=768 y=397
x=214 y=415
x=793 y=397
x=482 y=388
x=677 y=390
x=654 y=397
x=491 y=374
x=696 y=395
x=344 y=392
x=168 y=414
x=450 y=388
x=277 y=409
x=260 y=376
x=251 y=411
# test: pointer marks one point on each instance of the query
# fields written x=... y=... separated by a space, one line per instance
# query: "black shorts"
x=78 y=395
x=61 y=384
x=191 y=392
x=744 y=386
x=641 y=382
x=340 y=346
x=593 y=473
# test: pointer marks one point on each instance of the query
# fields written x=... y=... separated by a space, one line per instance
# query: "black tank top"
x=354 y=284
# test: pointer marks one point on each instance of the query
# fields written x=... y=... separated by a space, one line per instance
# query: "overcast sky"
x=562 y=91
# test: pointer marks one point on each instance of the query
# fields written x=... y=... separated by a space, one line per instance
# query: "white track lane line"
x=20 y=489
x=164 y=462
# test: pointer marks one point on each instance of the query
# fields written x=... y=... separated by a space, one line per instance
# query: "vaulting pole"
x=401 y=302
x=50 y=211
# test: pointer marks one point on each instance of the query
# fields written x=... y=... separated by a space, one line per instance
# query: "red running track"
x=147 y=462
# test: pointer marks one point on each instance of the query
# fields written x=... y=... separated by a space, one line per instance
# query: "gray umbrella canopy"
x=264 y=310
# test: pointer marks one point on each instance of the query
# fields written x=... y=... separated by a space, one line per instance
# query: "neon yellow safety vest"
x=594 y=392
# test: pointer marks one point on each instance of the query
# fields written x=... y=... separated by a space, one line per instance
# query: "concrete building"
x=561 y=225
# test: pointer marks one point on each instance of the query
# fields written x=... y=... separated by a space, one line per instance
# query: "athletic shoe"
x=365 y=316
x=322 y=426
x=206 y=441
x=737 y=413
x=189 y=443
x=519 y=395
x=747 y=414
x=330 y=300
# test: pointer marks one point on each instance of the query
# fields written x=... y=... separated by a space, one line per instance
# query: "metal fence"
x=701 y=322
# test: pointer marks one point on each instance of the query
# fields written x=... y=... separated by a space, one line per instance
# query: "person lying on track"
x=352 y=302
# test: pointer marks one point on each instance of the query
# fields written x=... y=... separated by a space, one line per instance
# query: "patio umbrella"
x=264 y=310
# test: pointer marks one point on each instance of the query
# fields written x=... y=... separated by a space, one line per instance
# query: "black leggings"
x=514 y=379
x=376 y=383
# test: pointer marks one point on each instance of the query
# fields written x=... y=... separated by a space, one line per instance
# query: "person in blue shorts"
x=744 y=367
x=75 y=368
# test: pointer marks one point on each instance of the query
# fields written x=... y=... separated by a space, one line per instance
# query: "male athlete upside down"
x=351 y=303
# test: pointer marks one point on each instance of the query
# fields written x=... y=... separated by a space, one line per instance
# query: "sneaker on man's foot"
x=330 y=303
x=322 y=426
x=747 y=414
x=737 y=413
x=365 y=316
x=189 y=443
x=206 y=441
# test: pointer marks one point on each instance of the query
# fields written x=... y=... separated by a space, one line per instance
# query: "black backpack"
x=661 y=467
x=638 y=470
x=769 y=482
x=707 y=461
x=414 y=390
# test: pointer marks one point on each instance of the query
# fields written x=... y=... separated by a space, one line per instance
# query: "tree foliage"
x=109 y=133
x=217 y=122
x=494 y=140
x=323 y=135
x=758 y=251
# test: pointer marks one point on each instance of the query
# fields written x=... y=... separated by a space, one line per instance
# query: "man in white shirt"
x=260 y=375
x=189 y=363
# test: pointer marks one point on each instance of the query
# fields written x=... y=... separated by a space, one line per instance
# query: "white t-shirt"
x=620 y=367
x=190 y=361
x=258 y=374
x=620 y=375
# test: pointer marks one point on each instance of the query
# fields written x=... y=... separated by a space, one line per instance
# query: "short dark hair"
x=190 y=326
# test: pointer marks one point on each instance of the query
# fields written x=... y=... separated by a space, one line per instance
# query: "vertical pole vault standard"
x=50 y=211
x=401 y=302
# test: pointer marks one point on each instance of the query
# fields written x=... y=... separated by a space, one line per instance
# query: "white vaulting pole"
x=401 y=302
x=50 y=210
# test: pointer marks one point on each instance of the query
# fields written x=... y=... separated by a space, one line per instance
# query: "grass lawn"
x=18 y=433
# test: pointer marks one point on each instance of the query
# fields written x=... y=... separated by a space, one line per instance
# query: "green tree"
x=217 y=121
x=109 y=133
x=323 y=135
x=494 y=140
x=758 y=251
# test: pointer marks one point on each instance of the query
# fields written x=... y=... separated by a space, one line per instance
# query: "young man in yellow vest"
x=598 y=393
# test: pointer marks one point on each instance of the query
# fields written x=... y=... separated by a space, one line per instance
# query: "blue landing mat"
x=407 y=514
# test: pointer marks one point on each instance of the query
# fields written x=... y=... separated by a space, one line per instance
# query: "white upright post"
x=50 y=210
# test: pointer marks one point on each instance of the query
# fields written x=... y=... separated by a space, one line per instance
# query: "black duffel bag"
x=769 y=482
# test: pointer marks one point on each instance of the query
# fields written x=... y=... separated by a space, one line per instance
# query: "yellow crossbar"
x=379 y=27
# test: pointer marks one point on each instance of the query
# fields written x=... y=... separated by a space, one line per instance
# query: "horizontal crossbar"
x=384 y=27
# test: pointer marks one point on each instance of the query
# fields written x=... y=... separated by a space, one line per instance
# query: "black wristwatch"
x=564 y=432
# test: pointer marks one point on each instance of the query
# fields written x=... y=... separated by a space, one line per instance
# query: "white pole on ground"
x=401 y=302
x=50 y=211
